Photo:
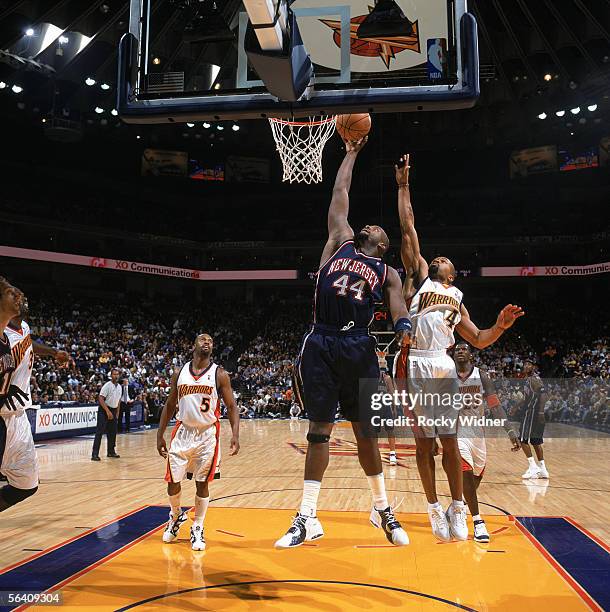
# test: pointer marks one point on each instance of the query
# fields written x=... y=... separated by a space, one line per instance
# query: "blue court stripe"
x=580 y=556
x=42 y=573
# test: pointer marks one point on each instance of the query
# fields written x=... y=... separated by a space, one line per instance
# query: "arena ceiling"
x=537 y=58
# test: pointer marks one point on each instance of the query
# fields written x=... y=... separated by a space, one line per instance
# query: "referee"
x=107 y=414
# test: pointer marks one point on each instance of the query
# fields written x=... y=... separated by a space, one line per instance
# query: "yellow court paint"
x=352 y=568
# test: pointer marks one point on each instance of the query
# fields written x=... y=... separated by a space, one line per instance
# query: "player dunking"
x=194 y=449
x=476 y=385
x=338 y=354
x=436 y=308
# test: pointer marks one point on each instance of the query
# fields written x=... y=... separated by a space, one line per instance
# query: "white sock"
x=532 y=462
x=380 y=497
x=435 y=506
x=458 y=503
x=174 y=502
x=541 y=463
x=476 y=517
x=392 y=452
x=201 y=507
x=309 y=503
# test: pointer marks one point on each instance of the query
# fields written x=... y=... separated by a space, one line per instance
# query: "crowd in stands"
x=257 y=344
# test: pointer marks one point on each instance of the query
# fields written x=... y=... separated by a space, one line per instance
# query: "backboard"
x=434 y=66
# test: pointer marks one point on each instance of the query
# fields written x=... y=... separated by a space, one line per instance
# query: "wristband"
x=403 y=185
x=403 y=324
x=492 y=400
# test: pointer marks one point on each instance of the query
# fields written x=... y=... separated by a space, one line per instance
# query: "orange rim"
x=299 y=123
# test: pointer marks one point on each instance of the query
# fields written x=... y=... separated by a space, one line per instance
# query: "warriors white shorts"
x=432 y=383
x=18 y=460
x=474 y=454
x=193 y=452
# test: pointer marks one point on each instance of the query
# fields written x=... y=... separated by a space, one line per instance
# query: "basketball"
x=353 y=127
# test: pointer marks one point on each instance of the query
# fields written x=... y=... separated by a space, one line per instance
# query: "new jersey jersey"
x=198 y=399
x=434 y=312
x=7 y=366
x=471 y=392
x=22 y=354
x=348 y=285
x=531 y=398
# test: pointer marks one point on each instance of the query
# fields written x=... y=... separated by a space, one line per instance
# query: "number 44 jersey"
x=198 y=400
x=348 y=286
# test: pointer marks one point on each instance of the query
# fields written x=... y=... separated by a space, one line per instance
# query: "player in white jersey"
x=194 y=449
x=476 y=390
x=18 y=462
x=436 y=311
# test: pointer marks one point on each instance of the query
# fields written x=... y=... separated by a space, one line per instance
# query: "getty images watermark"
x=570 y=407
x=442 y=403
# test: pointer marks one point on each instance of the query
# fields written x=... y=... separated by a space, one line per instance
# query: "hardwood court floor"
x=76 y=493
x=76 y=496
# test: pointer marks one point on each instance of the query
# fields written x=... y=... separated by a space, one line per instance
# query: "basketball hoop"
x=300 y=145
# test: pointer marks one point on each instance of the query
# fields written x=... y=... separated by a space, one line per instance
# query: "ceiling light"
x=63 y=40
x=89 y=81
x=29 y=32
x=571 y=133
x=548 y=77
x=560 y=113
x=156 y=61
x=575 y=110
x=17 y=88
x=206 y=125
x=99 y=110
x=138 y=137
x=217 y=86
x=542 y=116
x=235 y=127
x=105 y=86
x=190 y=125
x=114 y=112
x=592 y=108
x=2 y=84
x=220 y=127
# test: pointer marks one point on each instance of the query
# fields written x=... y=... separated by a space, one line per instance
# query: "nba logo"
x=528 y=271
x=437 y=58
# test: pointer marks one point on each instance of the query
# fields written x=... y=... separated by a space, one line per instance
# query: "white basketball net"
x=300 y=145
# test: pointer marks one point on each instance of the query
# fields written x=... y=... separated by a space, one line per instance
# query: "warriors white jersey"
x=472 y=394
x=198 y=400
x=434 y=312
x=23 y=356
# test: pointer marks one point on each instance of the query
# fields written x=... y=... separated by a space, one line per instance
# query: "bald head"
x=372 y=240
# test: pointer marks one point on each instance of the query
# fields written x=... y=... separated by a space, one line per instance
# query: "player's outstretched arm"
x=339 y=229
x=482 y=338
x=42 y=350
x=416 y=267
x=495 y=408
x=226 y=393
x=171 y=404
x=396 y=304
